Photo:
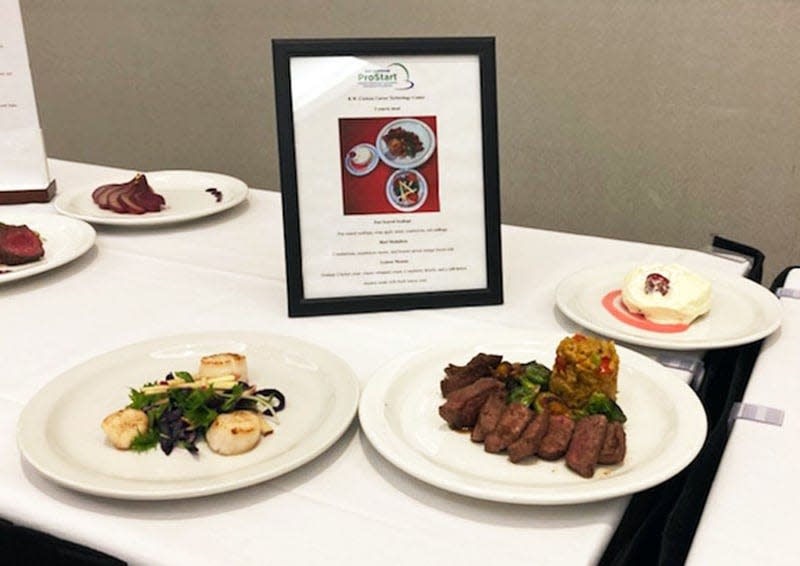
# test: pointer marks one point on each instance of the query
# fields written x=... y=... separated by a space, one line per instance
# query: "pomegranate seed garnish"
x=656 y=282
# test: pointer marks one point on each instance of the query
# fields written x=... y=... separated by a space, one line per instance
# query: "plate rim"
x=85 y=232
x=375 y=425
x=42 y=459
x=662 y=341
x=62 y=201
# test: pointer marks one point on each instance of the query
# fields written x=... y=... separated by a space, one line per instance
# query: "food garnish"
x=405 y=188
x=527 y=410
x=216 y=193
x=181 y=409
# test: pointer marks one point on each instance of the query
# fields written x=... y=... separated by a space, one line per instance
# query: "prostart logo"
x=395 y=76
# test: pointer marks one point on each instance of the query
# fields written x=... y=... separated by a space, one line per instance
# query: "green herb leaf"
x=184 y=375
x=195 y=409
x=234 y=395
x=145 y=441
x=141 y=400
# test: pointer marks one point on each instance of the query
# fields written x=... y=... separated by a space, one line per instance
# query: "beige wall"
x=656 y=121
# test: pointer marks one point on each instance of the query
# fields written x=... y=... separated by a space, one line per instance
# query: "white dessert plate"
x=401 y=204
x=369 y=167
x=185 y=193
x=421 y=129
x=741 y=311
x=59 y=430
x=63 y=240
x=666 y=428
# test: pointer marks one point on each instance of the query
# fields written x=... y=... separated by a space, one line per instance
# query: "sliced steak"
x=462 y=407
x=527 y=444
x=19 y=244
x=587 y=441
x=512 y=423
x=556 y=441
x=456 y=377
x=489 y=415
x=613 y=451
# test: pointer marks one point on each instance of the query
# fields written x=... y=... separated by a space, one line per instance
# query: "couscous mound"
x=584 y=365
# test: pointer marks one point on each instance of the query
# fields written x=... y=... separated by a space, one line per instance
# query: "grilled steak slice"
x=19 y=244
x=527 y=444
x=489 y=415
x=613 y=451
x=456 y=377
x=556 y=441
x=512 y=423
x=462 y=407
x=584 y=448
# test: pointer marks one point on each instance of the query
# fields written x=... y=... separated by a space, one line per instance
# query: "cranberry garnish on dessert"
x=655 y=282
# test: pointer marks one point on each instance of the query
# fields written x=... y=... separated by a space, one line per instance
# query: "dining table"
x=349 y=504
x=751 y=512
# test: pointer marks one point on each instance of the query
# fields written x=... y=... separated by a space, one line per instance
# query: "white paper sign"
x=360 y=245
x=23 y=160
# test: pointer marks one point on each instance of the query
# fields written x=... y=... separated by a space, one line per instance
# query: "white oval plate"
x=666 y=428
x=59 y=430
x=741 y=311
x=184 y=192
x=63 y=239
x=418 y=127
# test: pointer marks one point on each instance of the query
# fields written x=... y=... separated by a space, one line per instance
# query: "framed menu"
x=389 y=173
x=24 y=175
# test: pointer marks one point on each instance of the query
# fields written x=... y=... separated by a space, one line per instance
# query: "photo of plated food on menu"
x=389 y=165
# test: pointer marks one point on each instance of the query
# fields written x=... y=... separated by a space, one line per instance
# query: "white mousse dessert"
x=360 y=157
x=666 y=294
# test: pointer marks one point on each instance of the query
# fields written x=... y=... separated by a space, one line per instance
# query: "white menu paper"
x=23 y=160
x=368 y=251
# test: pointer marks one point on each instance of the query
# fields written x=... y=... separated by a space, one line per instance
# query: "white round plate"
x=426 y=136
x=63 y=239
x=373 y=162
x=422 y=194
x=59 y=430
x=741 y=311
x=184 y=191
x=666 y=428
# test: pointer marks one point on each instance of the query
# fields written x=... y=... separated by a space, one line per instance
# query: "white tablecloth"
x=752 y=514
x=349 y=505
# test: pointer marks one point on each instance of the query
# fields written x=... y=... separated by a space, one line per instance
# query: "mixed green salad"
x=180 y=409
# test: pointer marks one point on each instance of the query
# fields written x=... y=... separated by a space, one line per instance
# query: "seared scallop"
x=122 y=426
x=218 y=365
x=235 y=433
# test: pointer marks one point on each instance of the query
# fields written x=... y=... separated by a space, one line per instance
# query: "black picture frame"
x=284 y=50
